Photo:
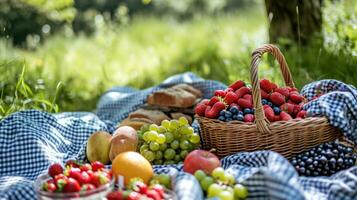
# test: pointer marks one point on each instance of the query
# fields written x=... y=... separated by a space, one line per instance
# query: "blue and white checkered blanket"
x=31 y=140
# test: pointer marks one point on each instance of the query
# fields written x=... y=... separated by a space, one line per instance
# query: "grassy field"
x=69 y=73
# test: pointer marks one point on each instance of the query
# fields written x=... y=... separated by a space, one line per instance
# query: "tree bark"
x=297 y=20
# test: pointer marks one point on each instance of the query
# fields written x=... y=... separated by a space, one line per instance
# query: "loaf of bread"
x=155 y=116
x=172 y=97
x=189 y=89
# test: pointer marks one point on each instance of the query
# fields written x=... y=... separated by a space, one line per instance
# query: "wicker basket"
x=285 y=137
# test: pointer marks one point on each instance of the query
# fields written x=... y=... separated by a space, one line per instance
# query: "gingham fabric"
x=338 y=103
x=31 y=140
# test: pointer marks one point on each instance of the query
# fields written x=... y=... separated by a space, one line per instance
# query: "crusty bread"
x=136 y=124
x=189 y=89
x=172 y=97
x=155 y=116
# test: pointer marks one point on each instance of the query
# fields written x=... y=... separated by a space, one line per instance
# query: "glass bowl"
x=96 y=194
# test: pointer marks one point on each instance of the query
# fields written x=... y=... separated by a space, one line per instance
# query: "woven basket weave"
x=285 y=137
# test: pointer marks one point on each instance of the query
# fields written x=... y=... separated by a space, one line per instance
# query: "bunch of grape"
x=221 y=185
x=168 y=143
x=324 y=160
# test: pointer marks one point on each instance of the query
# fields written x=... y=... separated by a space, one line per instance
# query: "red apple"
x=200 y=159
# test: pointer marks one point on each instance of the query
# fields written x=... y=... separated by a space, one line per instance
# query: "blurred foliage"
x=139 y=49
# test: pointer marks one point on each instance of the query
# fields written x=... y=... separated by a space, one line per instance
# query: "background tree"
x=295 y=20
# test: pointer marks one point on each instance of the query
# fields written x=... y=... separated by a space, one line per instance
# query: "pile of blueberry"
x=324 y=160
x=276 y=109
x=233 y=113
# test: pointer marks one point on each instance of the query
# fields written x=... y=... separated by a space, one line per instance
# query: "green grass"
x=149 y=49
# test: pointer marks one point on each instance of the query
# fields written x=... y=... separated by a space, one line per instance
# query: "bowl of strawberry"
x=75 y=181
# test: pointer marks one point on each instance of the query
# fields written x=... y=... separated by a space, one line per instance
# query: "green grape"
x=169 y=137
x=154 y=146
x=206 y=182
x=200 y=175
x=214 y=190
x=159 y=155
x=152 y=135
x=240 y=191
x=186 y=130
x=185 y=144
x=175 y=144
x=165 y=123
x=230 y=178
x=169 y=154
x=149 y=155
x=169 y=162
x=161 y=129
x=163 y=147
x=177 y=158
x=164 y=179
x=183 y=154
x=143 y=148
x=174 y=124
x=218 y=173
x=153 y=127
x=226 y=195
x=183 y=121
x=146 y=136
x=158 y=162
x=161 y=139
x=195 y=139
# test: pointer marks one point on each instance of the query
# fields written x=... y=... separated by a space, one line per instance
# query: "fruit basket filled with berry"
x=261 y=117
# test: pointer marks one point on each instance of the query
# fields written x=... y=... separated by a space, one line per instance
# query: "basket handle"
x=260 y=120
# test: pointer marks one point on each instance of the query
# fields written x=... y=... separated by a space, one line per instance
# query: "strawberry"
x=219 y=93
x=115 y=195
x=49 y=186
x=285 y=116
x=234 y=104
x=229 y=90
x=200 y=109
x=283 y=90
x=153 y=195
x=204 y=101
x=264 y=94
x=242 y=91
x=87 y=187
x=292 y=89
x=244 y=103
x=230 y=98
x=96 y=165
x=248 y=97
x=273 y=86
x=288 y=107
x=277 y=98
x=84 y=178
x=297 y=109
x=302 y=114
x=60 y=181
x=99 y=179
x=72 y=163
x=72 y=172
x=277 y=118
x=213 y=101
x=248 y=118
x=55 y=169
x=213 y=112
x=140 y=187
x=72 y=186
x=133 y=196
x=85 y=167
x=236 y=85
x=265 y=85
x=159 y=189
x=296 y=97
x=269 y=113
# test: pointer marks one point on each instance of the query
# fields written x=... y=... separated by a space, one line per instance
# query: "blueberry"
x=315 y=173
x=325 y=173
x=228 y=119
x=304 y=158
x=222 y=113
x=341 y=148
x=302 y=170
x=308 y=172
x=240 y=117
x=335 y=151
x=228 y=114
x=246 y=111
x=235 y=117
x=234 y=110
x=340 y=161
x=270 y=104
x=318 y=170
x=311 y=167
x=349 y=150
x=323 y=159
x=276 y=110
x=315 y=163
x=306 y=153
x=302 y=164
x=240 y=113
x=264 y=101
x=309 y=161
x=327 y=168
x=293 y=162
x=222 y=118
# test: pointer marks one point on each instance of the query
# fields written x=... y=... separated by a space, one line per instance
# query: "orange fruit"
x=130 y=165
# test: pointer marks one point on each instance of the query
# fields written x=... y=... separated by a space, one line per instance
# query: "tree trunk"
x=297 y=20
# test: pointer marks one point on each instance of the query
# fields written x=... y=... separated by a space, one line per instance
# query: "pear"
x=98 y=146
x=124 y=139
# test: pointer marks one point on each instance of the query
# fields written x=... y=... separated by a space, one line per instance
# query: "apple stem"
x=212 y=150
